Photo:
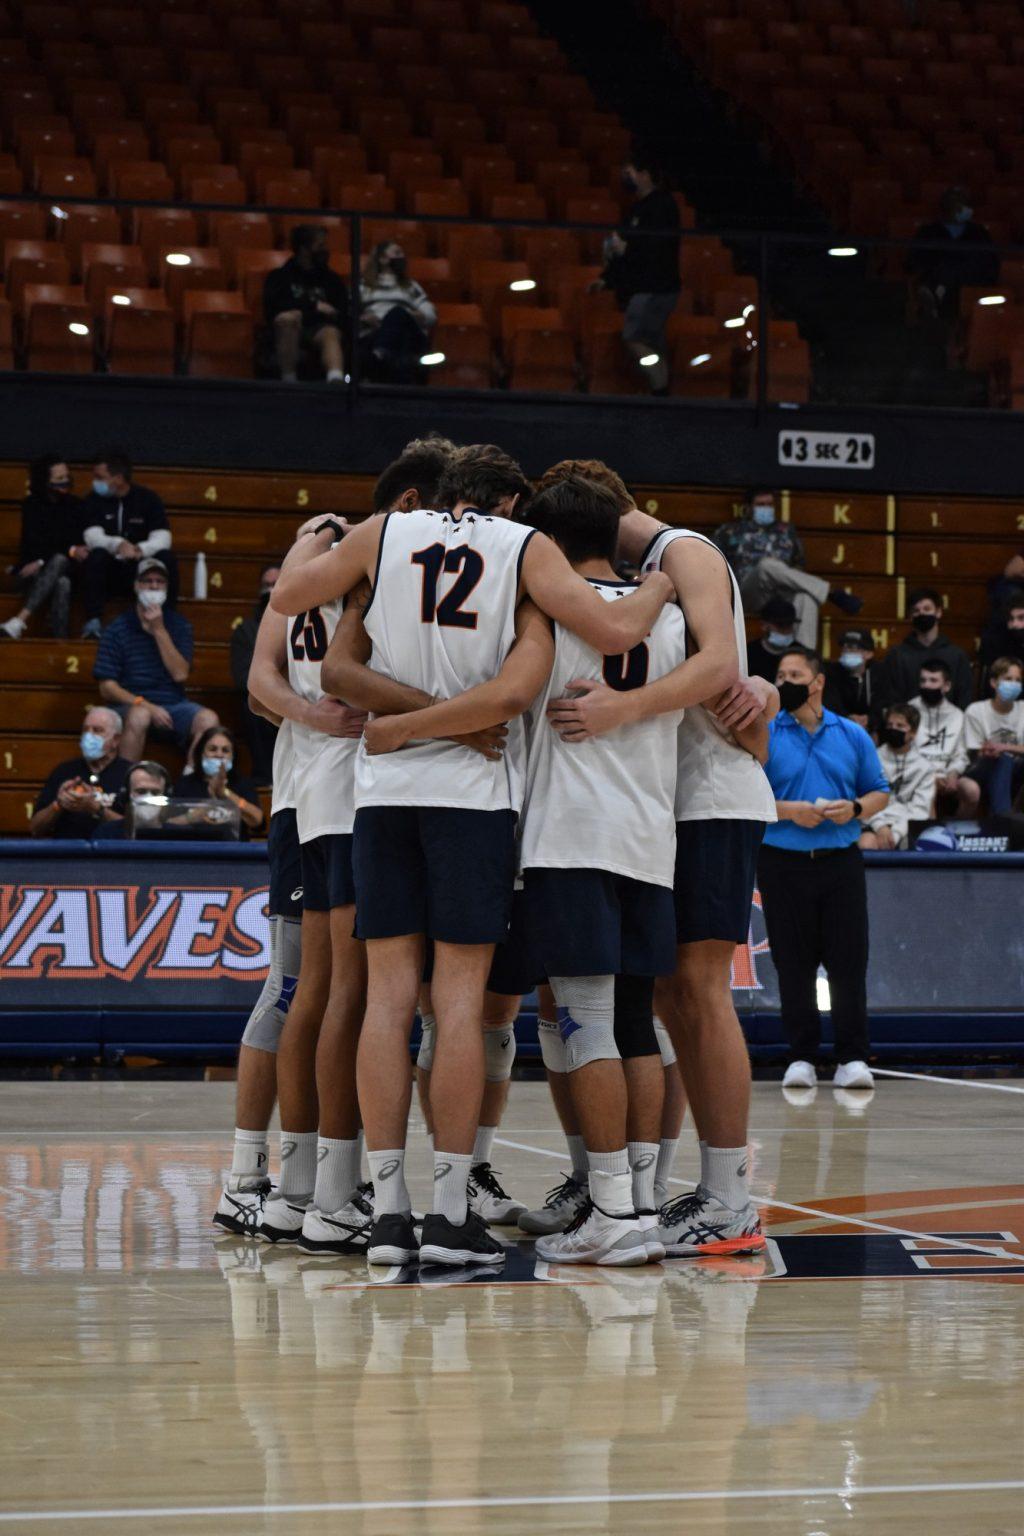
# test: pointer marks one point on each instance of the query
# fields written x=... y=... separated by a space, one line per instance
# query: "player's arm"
x=564 y=596
x=272 y=696
x=345 y=674
x=316 y=569
x=525 y=671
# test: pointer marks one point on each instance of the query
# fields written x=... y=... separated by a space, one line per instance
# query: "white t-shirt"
x=324 y=765
x=442 y=618
x=608 y=803
x=983 y=722
x=940 y=736
x=718 y=779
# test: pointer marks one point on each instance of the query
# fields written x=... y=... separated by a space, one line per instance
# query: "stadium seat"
x=25 y=221
x=542 y=359
x=105 y=266
x=140 y=181
x=434 y=273
x=251 y=268
x=195 y=267
x=231 y=232
x=465 y=343
x=32 y=261
x=129 y=141
x=58 y=328
x=489 y=285
x=218 y=335
x=703 y=357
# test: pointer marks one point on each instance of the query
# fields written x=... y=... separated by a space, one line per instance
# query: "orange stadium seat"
x=251 y=268
x=58 y=328
x=183 y=268
x=32 y=261
x=218 y=335
x=465 y=342
x=231 y=232
x=25 y=221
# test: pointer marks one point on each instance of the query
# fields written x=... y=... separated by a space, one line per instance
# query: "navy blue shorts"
x=716 y=869
x=327 y=872
x=436 y=870
x=283 y=855
x=589 y=922
x=513 y=973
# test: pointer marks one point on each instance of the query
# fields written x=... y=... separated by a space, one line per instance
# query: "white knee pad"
x=665 y=1046
x=552 y=1048
x=428 y=1039
x=263 y=1030
x=499 y=1053
x=586 y=1018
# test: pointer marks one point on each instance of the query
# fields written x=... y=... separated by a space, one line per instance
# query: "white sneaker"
x=800 y=1074
x=14 y=628
x=238 y=1210
x=596 y=1238
x=853 y=1074
x=559 y=1210
x=328 y=1233
x=649 y=1225
x=700 y=1224
x=489 y=1200
x=280 y=1220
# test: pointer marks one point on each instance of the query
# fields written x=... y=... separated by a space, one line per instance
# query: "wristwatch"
x=333 y=525
x=858 y=810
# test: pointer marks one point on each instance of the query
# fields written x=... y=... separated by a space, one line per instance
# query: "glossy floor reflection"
x=864 y=1375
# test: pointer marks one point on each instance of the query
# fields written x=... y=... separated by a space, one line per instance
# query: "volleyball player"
x=434 y=832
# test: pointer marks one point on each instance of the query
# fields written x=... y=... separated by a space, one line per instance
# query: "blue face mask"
x=763 y=516
x=101 y=487
x=212 y=765
x=92 y=745
x=851 y=660
x=1008 y=690
x=779 y=641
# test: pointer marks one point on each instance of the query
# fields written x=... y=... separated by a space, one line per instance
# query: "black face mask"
x=629 y=182
x=792 y=696
x=923 y=622
x=321 y=259
x=932 y=696
x=59 y=489
x=893 y=737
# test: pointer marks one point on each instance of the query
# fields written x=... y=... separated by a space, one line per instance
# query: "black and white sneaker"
x=328 y=1233
x=280 y=1220
x=392 y=1240
x=363 y=1197
x=444 y=1243
x=489 y=1199
x=239 y=1210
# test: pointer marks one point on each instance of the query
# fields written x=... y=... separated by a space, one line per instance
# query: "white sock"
x=337 y=1173
x=484 y=1143
x=703 y=1161
x=298 y=1165
x=335 y=375
x=361 y=1139
x=725 y=1176
x=430 y=1142
x=451 y=1175
x=663 y=1172
x=643 y=1159
x=387 y=1170
x=611 y=1183
x=578 y=1155
x=250 y=1159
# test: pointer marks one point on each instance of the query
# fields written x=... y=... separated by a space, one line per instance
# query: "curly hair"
x=589 y=469
x=482 y=475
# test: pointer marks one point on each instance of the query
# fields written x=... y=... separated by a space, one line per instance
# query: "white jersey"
x=442 y=618
x=282 y=796
x=718 y=780
x=324 y=765
x=608 y=803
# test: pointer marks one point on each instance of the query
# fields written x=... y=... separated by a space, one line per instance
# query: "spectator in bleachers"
x=51 y=547
x=768 y=559
x=778 y=621
x=123 y=523
x=1009 y=584
x=642 y=269
x=994 y=739
x=260 y=734
x=1005 y=637
x=215 y=776
x=941 y=736
x=142 y=664
x=74 y=801
x=306 y=306
x=853 y=684
x=966 y=261
x=911 y=781
x=145 y=778
x=902 y=666
x=395 y=317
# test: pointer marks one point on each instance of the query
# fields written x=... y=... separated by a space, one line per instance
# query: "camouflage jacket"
x=744 y=543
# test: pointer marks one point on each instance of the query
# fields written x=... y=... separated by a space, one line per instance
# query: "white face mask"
x=151 y=597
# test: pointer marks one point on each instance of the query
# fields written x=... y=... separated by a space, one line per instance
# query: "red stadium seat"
x=58 y=328
x=32 y=261
x=218 y=335
x=465 y=344
x=108 y=265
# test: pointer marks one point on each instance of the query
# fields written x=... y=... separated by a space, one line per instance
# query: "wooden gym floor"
x=864 y=1376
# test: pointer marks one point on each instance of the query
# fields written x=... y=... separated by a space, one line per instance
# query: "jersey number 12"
x=449 y=610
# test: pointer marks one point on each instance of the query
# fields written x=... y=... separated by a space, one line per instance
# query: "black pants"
x=816 y=913
x=391 y=353
x=103 y=576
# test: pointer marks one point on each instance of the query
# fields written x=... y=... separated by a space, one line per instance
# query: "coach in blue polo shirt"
x=827 y=779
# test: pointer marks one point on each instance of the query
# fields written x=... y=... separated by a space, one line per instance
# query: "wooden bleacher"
x=878 y=545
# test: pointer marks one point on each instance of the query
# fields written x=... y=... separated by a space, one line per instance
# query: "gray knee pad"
x=499 y=1053
x=586 y=1018
x=263 y=1031
x=552 y=1047
x=665 y=1046
x=428 y=1039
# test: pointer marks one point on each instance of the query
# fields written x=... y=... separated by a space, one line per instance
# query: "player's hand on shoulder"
x=334 y=718
x=663 y=583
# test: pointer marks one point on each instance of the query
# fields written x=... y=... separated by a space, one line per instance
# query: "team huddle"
x=502 y=767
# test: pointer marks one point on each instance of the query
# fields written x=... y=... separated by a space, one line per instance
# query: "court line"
x=810 y=1210
x=954 y=1082
x=513 y=1501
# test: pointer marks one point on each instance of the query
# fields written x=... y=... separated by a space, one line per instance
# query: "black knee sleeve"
x=634 y=1016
